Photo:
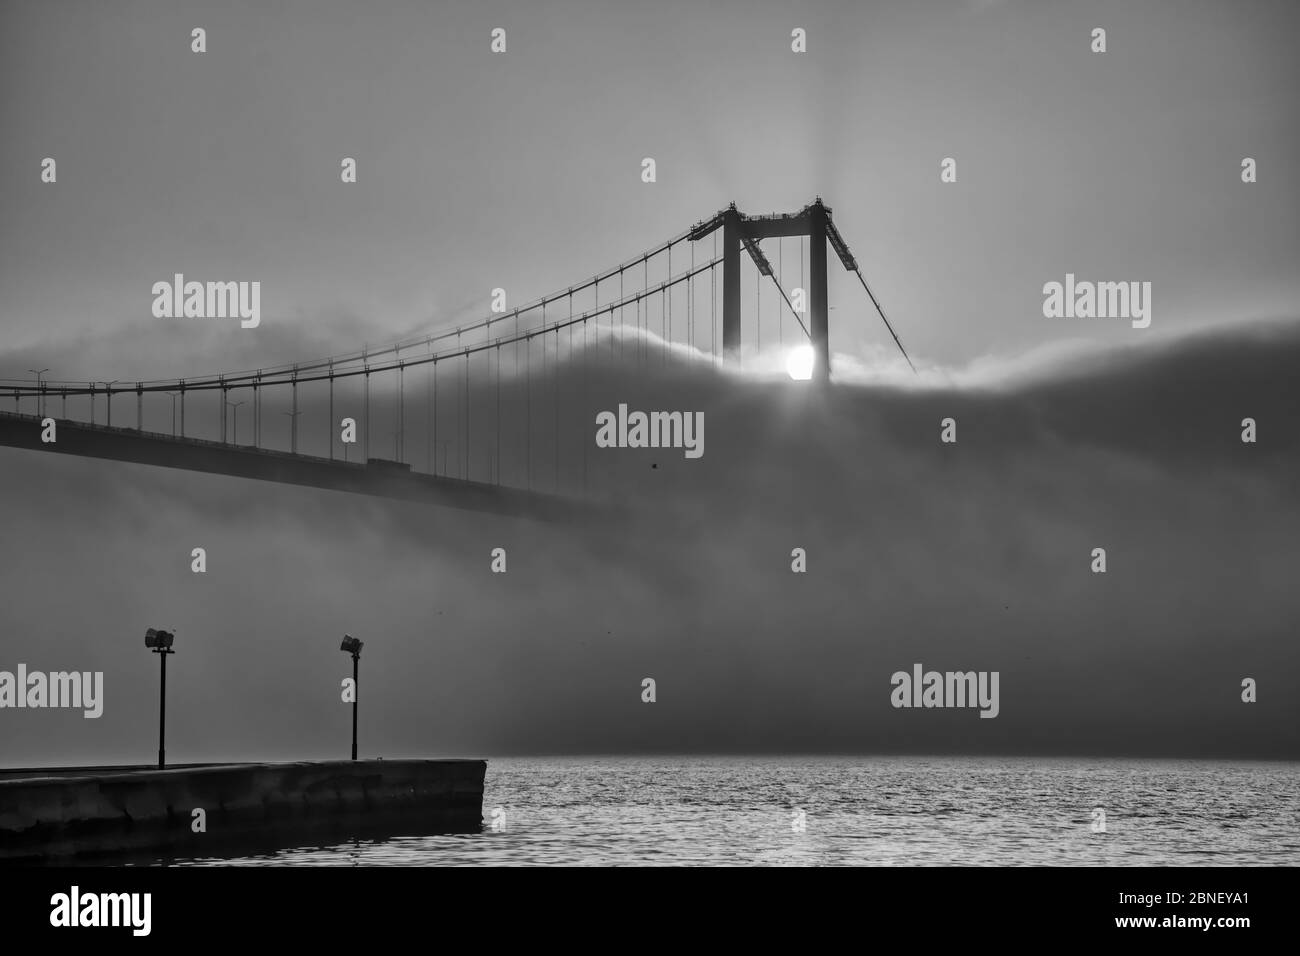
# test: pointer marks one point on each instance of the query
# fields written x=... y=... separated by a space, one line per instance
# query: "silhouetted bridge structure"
x=376 y=478
x=500 y=464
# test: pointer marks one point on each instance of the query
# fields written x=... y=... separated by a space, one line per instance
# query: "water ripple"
x=871 y=810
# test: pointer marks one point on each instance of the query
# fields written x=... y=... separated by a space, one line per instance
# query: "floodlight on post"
x=160 y=642
x=352 y=646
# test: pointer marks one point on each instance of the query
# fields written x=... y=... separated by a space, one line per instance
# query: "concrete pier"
x=64 y=812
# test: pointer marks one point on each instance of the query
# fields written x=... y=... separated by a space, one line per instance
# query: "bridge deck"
x=243 y=461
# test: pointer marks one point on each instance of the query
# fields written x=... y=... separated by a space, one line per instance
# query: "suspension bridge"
x=466 y=417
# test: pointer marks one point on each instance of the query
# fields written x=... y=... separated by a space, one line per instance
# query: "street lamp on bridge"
x=235 y=405
x=108 y=393
x=293 y=431
x=40 y=405
x=173 y=397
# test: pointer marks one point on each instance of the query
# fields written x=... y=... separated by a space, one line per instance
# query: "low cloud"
x=973 y=556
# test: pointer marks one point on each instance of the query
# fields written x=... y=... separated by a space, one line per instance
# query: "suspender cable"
x=460 y=425
x=620 y=280
x=777 y=283
x=498 y=460
x=584 y=402
x=555 y=400
x=465 y=456
x=543 y=338
x=468 y=420
x=596 y=285
x=517 y=343
x=528 y=407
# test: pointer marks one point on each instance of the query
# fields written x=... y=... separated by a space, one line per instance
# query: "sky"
x=522 y=170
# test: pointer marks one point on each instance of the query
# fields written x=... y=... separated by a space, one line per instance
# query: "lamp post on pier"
x=160 y=642
x=352 y=646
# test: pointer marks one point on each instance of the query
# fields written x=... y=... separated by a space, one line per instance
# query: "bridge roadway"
x=383 y=480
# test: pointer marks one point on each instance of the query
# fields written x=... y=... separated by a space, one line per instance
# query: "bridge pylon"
x=744 y=231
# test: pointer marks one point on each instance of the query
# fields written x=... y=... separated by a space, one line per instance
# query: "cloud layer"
x=969 y=556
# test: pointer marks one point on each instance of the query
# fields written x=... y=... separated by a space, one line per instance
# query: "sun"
x=799 y=363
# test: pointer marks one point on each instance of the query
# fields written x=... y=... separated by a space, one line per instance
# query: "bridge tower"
x=740 y=230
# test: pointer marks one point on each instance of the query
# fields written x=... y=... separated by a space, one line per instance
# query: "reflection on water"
x=867 y=810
